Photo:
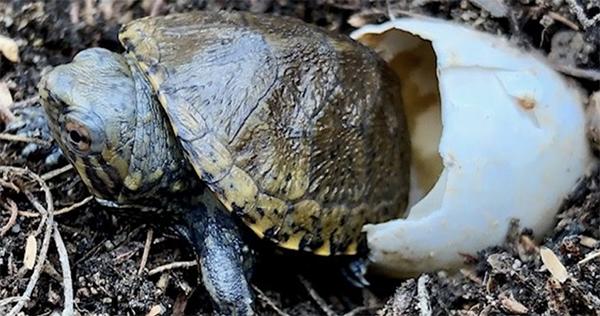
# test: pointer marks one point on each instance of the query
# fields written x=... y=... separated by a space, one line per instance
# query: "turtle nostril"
x=75 y=137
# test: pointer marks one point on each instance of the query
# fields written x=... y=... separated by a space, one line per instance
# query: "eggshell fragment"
x=497 y=135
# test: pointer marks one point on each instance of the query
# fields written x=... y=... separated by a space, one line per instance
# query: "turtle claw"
x=355 y=272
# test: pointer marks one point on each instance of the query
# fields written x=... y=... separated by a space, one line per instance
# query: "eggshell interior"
x=496 y=135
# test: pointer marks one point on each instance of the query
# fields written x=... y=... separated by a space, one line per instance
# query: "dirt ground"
x=106 y=249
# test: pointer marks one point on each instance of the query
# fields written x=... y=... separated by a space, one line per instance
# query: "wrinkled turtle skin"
x=294 y=130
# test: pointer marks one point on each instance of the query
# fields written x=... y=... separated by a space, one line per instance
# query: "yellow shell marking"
x=177 y=186
x=238 y=189
x=117 y=162
x=273 y=211
x=212 y=161
x=133 y=181
x=156 y=175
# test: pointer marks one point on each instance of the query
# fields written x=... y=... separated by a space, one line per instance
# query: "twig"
x=318 y=299
x=25 y=103
x=63 y=257
x=12 y=207
x=74 y=206
x=147 y=244
x=268 y=301
x=173 y=265
x=24 y=139
x=28 y=214
x=61 y=211
x=9 y=185
x=557 y=17
x=56 y=172
x=10 y=300
x=49 y=219
x=590 y=256
x=36 y=204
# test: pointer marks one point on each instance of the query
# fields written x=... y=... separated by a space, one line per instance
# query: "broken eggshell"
x=496 y=135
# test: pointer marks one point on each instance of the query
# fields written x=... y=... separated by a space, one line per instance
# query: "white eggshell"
x=512 y=146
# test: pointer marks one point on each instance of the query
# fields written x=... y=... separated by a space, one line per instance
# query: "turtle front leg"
x=225 y=261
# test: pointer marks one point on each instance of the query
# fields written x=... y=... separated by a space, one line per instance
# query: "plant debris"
x=552 y=263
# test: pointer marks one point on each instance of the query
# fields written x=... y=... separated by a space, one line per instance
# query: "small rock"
x=496 y=8
x=9 y=48
x=6 y=101
x=511 y=305
x=156 y=310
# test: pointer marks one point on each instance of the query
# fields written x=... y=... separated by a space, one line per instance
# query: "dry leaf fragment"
x=553 y=264
x=588 y=242
x=357 y=20
x=6 y=101
x=156 y=310
x=5 y=97
x=9 y=48
x=30 y=252
x=511 y=305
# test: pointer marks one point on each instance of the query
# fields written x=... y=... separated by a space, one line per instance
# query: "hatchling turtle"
x=223 y=119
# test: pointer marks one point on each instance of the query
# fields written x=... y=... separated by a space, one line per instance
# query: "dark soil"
x=105 y=247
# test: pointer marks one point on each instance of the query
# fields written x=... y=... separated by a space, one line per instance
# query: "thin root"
x=173 y=265
x=74 y=206
x=23 y=139
x=25 y=103
x=11 y=206
x=317 y=298
x=48 y=218
x=63 y=257
x=268 y=301
x=61 y=211
x=557 y=17
x=56 y=172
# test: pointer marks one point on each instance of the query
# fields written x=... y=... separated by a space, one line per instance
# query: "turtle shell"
x=297 y=131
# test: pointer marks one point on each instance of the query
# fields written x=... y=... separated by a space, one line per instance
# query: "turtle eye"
x=78 y=136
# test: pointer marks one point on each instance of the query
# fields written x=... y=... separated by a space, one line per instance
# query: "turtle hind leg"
x=225 y=261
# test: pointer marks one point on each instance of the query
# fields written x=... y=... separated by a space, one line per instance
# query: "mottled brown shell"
x=298 y=131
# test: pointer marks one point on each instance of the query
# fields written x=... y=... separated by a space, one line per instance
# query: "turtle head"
x=104 y=118
x=90 y=105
